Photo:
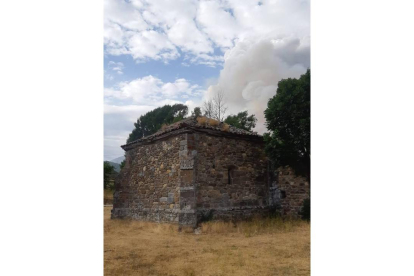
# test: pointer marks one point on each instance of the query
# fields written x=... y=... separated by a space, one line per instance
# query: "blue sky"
x=168 y=72
x=164 y=52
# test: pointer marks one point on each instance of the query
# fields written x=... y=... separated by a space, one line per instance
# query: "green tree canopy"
x=152 y=121
x=108 y=170
x=242 y=120
x=288 y=120
x=196 y=112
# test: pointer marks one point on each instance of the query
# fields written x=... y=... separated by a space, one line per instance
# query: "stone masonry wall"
x=148 y=185
x=187 y=187
x=194 y=176
x=292 y=191
x=246 y=194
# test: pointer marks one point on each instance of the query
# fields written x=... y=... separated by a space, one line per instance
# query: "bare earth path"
x=140 y=248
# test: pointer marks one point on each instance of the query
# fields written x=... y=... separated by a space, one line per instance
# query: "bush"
x=305 y=211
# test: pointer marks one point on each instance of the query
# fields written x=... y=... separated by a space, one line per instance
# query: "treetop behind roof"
x=200 y=122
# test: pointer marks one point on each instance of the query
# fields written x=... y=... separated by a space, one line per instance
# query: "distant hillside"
x=116 y=166
x=118 y=160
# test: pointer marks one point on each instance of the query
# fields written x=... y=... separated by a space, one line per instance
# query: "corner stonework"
x=187 y=154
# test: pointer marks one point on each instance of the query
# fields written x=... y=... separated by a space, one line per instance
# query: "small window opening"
x=230 y=175
x=282 y=194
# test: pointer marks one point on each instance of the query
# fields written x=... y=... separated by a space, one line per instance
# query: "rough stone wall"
x=292 y=190
x=193 y=176
x=187 y=187
x=246 y=194
x=148 y=186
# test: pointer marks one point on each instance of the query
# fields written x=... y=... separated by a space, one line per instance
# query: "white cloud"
x=179 y=87
x=151 y=44
x=218 y=23
x=253 y=68
x=126 y=32
x=118 y=123
x=160 y=29
x=188 y=37
x=153 y=91
x=116 y=66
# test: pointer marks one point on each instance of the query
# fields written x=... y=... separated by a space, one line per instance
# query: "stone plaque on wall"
x=186 y=163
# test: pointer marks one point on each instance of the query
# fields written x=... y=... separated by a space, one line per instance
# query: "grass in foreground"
x=262 y=247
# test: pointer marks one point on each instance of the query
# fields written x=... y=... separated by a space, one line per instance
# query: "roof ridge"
x=201 y=122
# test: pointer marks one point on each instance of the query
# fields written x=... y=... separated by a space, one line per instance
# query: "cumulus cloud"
x=116 y=66
x=160 y=29
x=153 y=91
x=253 y=68
x=216 y=20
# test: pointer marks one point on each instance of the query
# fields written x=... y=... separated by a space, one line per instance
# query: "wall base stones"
x=232 y=214
x=171 y=216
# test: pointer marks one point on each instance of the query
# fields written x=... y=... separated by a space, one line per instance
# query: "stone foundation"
x=232 y=214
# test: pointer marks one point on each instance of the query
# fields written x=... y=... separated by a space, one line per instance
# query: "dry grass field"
x=262 y=247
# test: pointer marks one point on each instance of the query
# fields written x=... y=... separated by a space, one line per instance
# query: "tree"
x=217 y=107
x=208 y=108
x=122 y=164
x=108 y=170
x=220 y=105
x=242 y=120
x=152 y=121
x=196 y=112
x=288 y=120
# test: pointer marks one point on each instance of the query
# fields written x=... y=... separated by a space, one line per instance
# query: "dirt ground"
x=261 y=247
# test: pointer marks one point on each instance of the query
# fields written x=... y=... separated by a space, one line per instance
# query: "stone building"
x=194 y=170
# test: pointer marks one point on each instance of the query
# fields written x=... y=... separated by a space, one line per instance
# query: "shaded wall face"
x=293 y=190
x=148 y=187
x=231 y=174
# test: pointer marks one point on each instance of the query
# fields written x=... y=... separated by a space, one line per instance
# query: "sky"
x=183 y=51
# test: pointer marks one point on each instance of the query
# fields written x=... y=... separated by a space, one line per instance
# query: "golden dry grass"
x=202 y=120
x=261 y=247
x=213 y=122
x=207 y=121
x=225 y=127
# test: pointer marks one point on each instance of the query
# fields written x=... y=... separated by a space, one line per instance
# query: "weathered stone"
x=195 y=173
x=289 y=191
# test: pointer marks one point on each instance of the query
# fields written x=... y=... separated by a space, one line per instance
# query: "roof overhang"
x=191 y=129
